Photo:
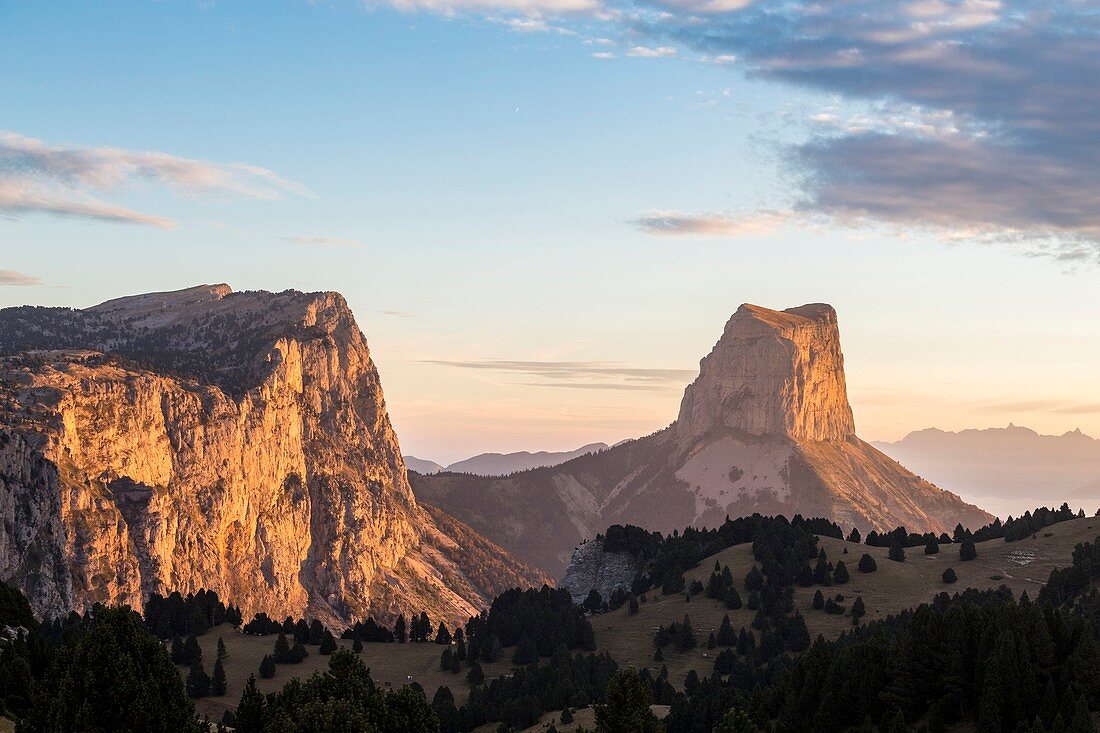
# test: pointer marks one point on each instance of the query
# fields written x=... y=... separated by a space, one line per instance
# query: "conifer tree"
x=222 y=653
x=267 y=667
x=949 y=576
x=932 y=546
x=249 y=716
x=198 y=682
x=476 y=675
x=968 y=551
x=192 y=650
x=399 y=631
x=442 y=636
x=819 y=600
x=328 y=644
x=754 y=581
x=281 y=653
x=867 y=564
x=357 y=645
x=217 y=680
x=733 y=598
x=840 y=574
x=726 y=635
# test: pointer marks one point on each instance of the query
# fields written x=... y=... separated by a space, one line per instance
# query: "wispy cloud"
x=603 y=55
x=325 y=242
x=580 y=374
x=678 y=223
x=69 y=181
x=646 y=52
x=11 y=277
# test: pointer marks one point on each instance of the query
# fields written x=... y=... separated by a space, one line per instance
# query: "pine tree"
x=897 y=551
x=281 y=654
x=949 y=576
x=357 y=645
x=858 y=610
x=526 y=650
x=840 y=574
x=222 y=653
x=267 y=667
x=626 y=706
x=198 y=683
x=217 y=681
x=726 y=635
x=867 y=564
x=797 y=636
x=399 y=632
x=442 y=636
x=932 y=546
x=732 y=599
x=425 y=626
x=712 y=641
x=745 y=642
x=566 y=716
x=249 y=716
x=328 y=644
x=476 y=675
x=754 y=581
x=179 y=651
x=854 y=536
x=967 y=551
x=192 y=651
x=819 y=600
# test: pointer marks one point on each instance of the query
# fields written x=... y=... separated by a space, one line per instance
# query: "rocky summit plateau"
x=765 y=427
x=237 y=442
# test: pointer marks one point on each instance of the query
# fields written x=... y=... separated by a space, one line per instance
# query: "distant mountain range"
x=502 y=464
x=1005 y=469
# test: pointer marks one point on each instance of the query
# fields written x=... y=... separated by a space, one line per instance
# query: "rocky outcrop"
x=590 y=568
x=204 y=438
x=772 y=373
x=766 y=427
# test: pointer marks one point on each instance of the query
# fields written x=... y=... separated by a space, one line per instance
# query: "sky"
x=543 y=211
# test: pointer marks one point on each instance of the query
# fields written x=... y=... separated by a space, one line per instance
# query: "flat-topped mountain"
x=234 y=441
x=766 y=427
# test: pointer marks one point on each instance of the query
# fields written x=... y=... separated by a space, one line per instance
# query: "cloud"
x=581 y=374
x=325 y=242
x=1007 y=101
x=678 y=224
x=529 y=8
x=645 y=52
x=604 y=55
x=68 y=181
x=11 y=277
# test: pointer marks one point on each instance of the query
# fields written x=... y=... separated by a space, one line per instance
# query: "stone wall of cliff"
x=238 y=442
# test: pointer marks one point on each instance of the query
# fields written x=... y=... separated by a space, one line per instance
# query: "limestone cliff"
x=590 y=568
x=205 y=438
x=766 y=427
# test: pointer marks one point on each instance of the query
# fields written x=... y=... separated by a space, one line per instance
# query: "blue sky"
x=482 y=186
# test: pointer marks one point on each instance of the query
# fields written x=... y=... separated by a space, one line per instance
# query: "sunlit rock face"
x=766 y=427
x=232 y=441
x=773 y=373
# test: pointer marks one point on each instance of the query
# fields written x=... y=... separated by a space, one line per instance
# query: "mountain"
x=1014 y=467
x=502 y=464
x=421 y=465
x=766 y=427
x=234 y=441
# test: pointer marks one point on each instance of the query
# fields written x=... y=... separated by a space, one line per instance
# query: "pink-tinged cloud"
x=68 y=181
x=11 y=277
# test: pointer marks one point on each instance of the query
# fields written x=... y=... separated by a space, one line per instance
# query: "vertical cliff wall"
x=204 y=438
